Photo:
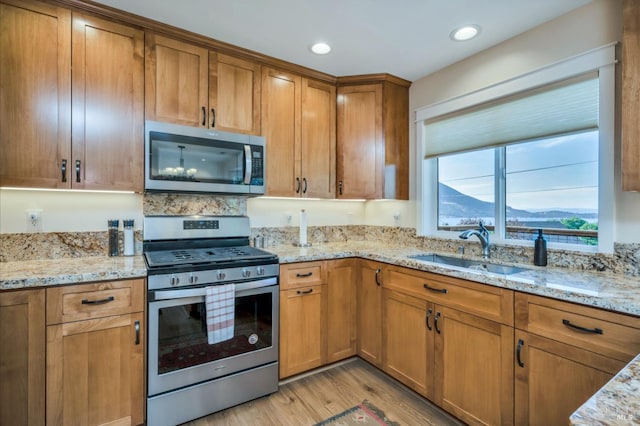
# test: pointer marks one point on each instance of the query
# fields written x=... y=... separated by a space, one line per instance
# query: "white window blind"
x=565 y=107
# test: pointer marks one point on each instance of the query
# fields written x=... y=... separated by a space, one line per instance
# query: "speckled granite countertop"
x=42 y=273
x=618 y=402
x=603 y=290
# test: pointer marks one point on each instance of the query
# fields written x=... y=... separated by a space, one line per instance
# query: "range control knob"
x=221 y=275
x=174 y=280
x=260 y=271
x=193 y=279
x=246 y=273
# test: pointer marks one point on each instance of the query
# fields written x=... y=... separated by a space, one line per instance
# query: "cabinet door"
x=301 y=330
x=318 y=157
x=341 y=309
x=234 y=94
x=474 y=367
x=407 y=353
x=35 y=100
x=630 y=96
x=281 y=105
x=95 y=371
x=370 y=312
x=360 y=152
x=552 y=379
x=176 y=81
x=108 y=104
x=22 y=362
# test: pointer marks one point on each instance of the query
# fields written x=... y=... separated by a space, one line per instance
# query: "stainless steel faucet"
x=483 y=235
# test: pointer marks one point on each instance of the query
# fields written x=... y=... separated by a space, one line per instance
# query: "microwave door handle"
x=247 y=164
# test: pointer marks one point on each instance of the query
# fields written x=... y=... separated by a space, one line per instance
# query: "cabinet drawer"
x=302 y=274
x=86 y=301
x=490 y=302
x=607 y=333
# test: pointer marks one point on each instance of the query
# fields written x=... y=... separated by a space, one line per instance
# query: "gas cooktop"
x=210 y=255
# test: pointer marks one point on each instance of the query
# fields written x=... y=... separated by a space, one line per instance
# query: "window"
x=534 y=152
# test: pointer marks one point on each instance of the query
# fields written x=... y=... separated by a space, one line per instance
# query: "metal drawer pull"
x=520 y=345
x=304 y=180
x=308 y=274
x=378 y=277
x=98 y=302
x=137 y=327
x=437 y=290
x=436 y=322
x=213 y=117
x=583 y=329
x=204 y=116
x=305 y=291
x=78 y=163
x=429 y=312
x=297 y=185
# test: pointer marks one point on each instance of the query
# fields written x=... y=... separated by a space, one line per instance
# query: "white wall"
x=67 y=211
x=593 y=25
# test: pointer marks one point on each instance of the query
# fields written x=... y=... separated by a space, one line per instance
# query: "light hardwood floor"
x=313 y=398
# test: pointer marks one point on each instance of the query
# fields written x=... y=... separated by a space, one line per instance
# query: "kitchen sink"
x=476 y=265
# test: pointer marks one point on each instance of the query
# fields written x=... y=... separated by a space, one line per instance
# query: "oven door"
x=179 y=353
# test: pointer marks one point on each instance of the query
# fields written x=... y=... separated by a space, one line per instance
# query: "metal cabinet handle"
x=518 y=351
x=436 y=322
x=308 y=274
x=583 y=329
x=378 y=283
x=78 y=170
x=204 y=116
x=63 y=169
x=304 y=180
x=213 y=117
x=436 y=290
x=305 y=291
x=297 y=185
x=429 y=313
x=98 y=302
x=340 y=187
x=137 y=327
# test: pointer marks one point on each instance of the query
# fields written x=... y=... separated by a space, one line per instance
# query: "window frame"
x=601 y=60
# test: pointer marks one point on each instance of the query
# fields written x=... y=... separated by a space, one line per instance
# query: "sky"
x=546 y=174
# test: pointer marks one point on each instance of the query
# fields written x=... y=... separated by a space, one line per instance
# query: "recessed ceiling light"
x=465 y=33
x=321 y=48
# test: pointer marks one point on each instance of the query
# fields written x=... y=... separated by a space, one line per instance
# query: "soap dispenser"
x=540 y=250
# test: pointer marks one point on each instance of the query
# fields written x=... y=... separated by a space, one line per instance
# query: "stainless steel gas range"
x=212 y=316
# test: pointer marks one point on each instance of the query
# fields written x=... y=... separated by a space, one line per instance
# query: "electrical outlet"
x=396 y=218
x=34 y=220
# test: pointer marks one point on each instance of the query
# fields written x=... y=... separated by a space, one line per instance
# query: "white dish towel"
x=220 y=305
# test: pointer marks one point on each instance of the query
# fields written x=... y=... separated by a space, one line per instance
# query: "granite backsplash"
x=31 y=246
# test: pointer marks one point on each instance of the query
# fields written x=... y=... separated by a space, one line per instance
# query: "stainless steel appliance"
x=191 y=159
x=188 y=377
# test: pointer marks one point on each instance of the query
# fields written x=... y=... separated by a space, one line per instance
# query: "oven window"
x=182 y=333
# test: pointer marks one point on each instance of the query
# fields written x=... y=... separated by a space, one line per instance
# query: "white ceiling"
x=407 y=38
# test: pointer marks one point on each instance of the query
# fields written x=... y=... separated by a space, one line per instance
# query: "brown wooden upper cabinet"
x=191 y=85
x=299 y=122
x=40 y=148
x=373 y=138
x=631 y=96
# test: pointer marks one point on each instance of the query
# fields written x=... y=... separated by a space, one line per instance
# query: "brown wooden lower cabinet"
x=341 y=309
x=552 y=379
x=95 y=353
x=473 y=370
x=369 y=309
x=22 y=357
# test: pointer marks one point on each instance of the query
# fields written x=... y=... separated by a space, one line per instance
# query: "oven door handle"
x=202 y=291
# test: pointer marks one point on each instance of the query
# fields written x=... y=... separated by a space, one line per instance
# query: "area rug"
x=363 y=414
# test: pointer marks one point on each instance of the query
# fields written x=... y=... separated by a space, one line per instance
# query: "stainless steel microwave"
x=191 y=159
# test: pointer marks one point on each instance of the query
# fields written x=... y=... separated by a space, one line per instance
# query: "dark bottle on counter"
x=113 y=237
x=540 y=250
